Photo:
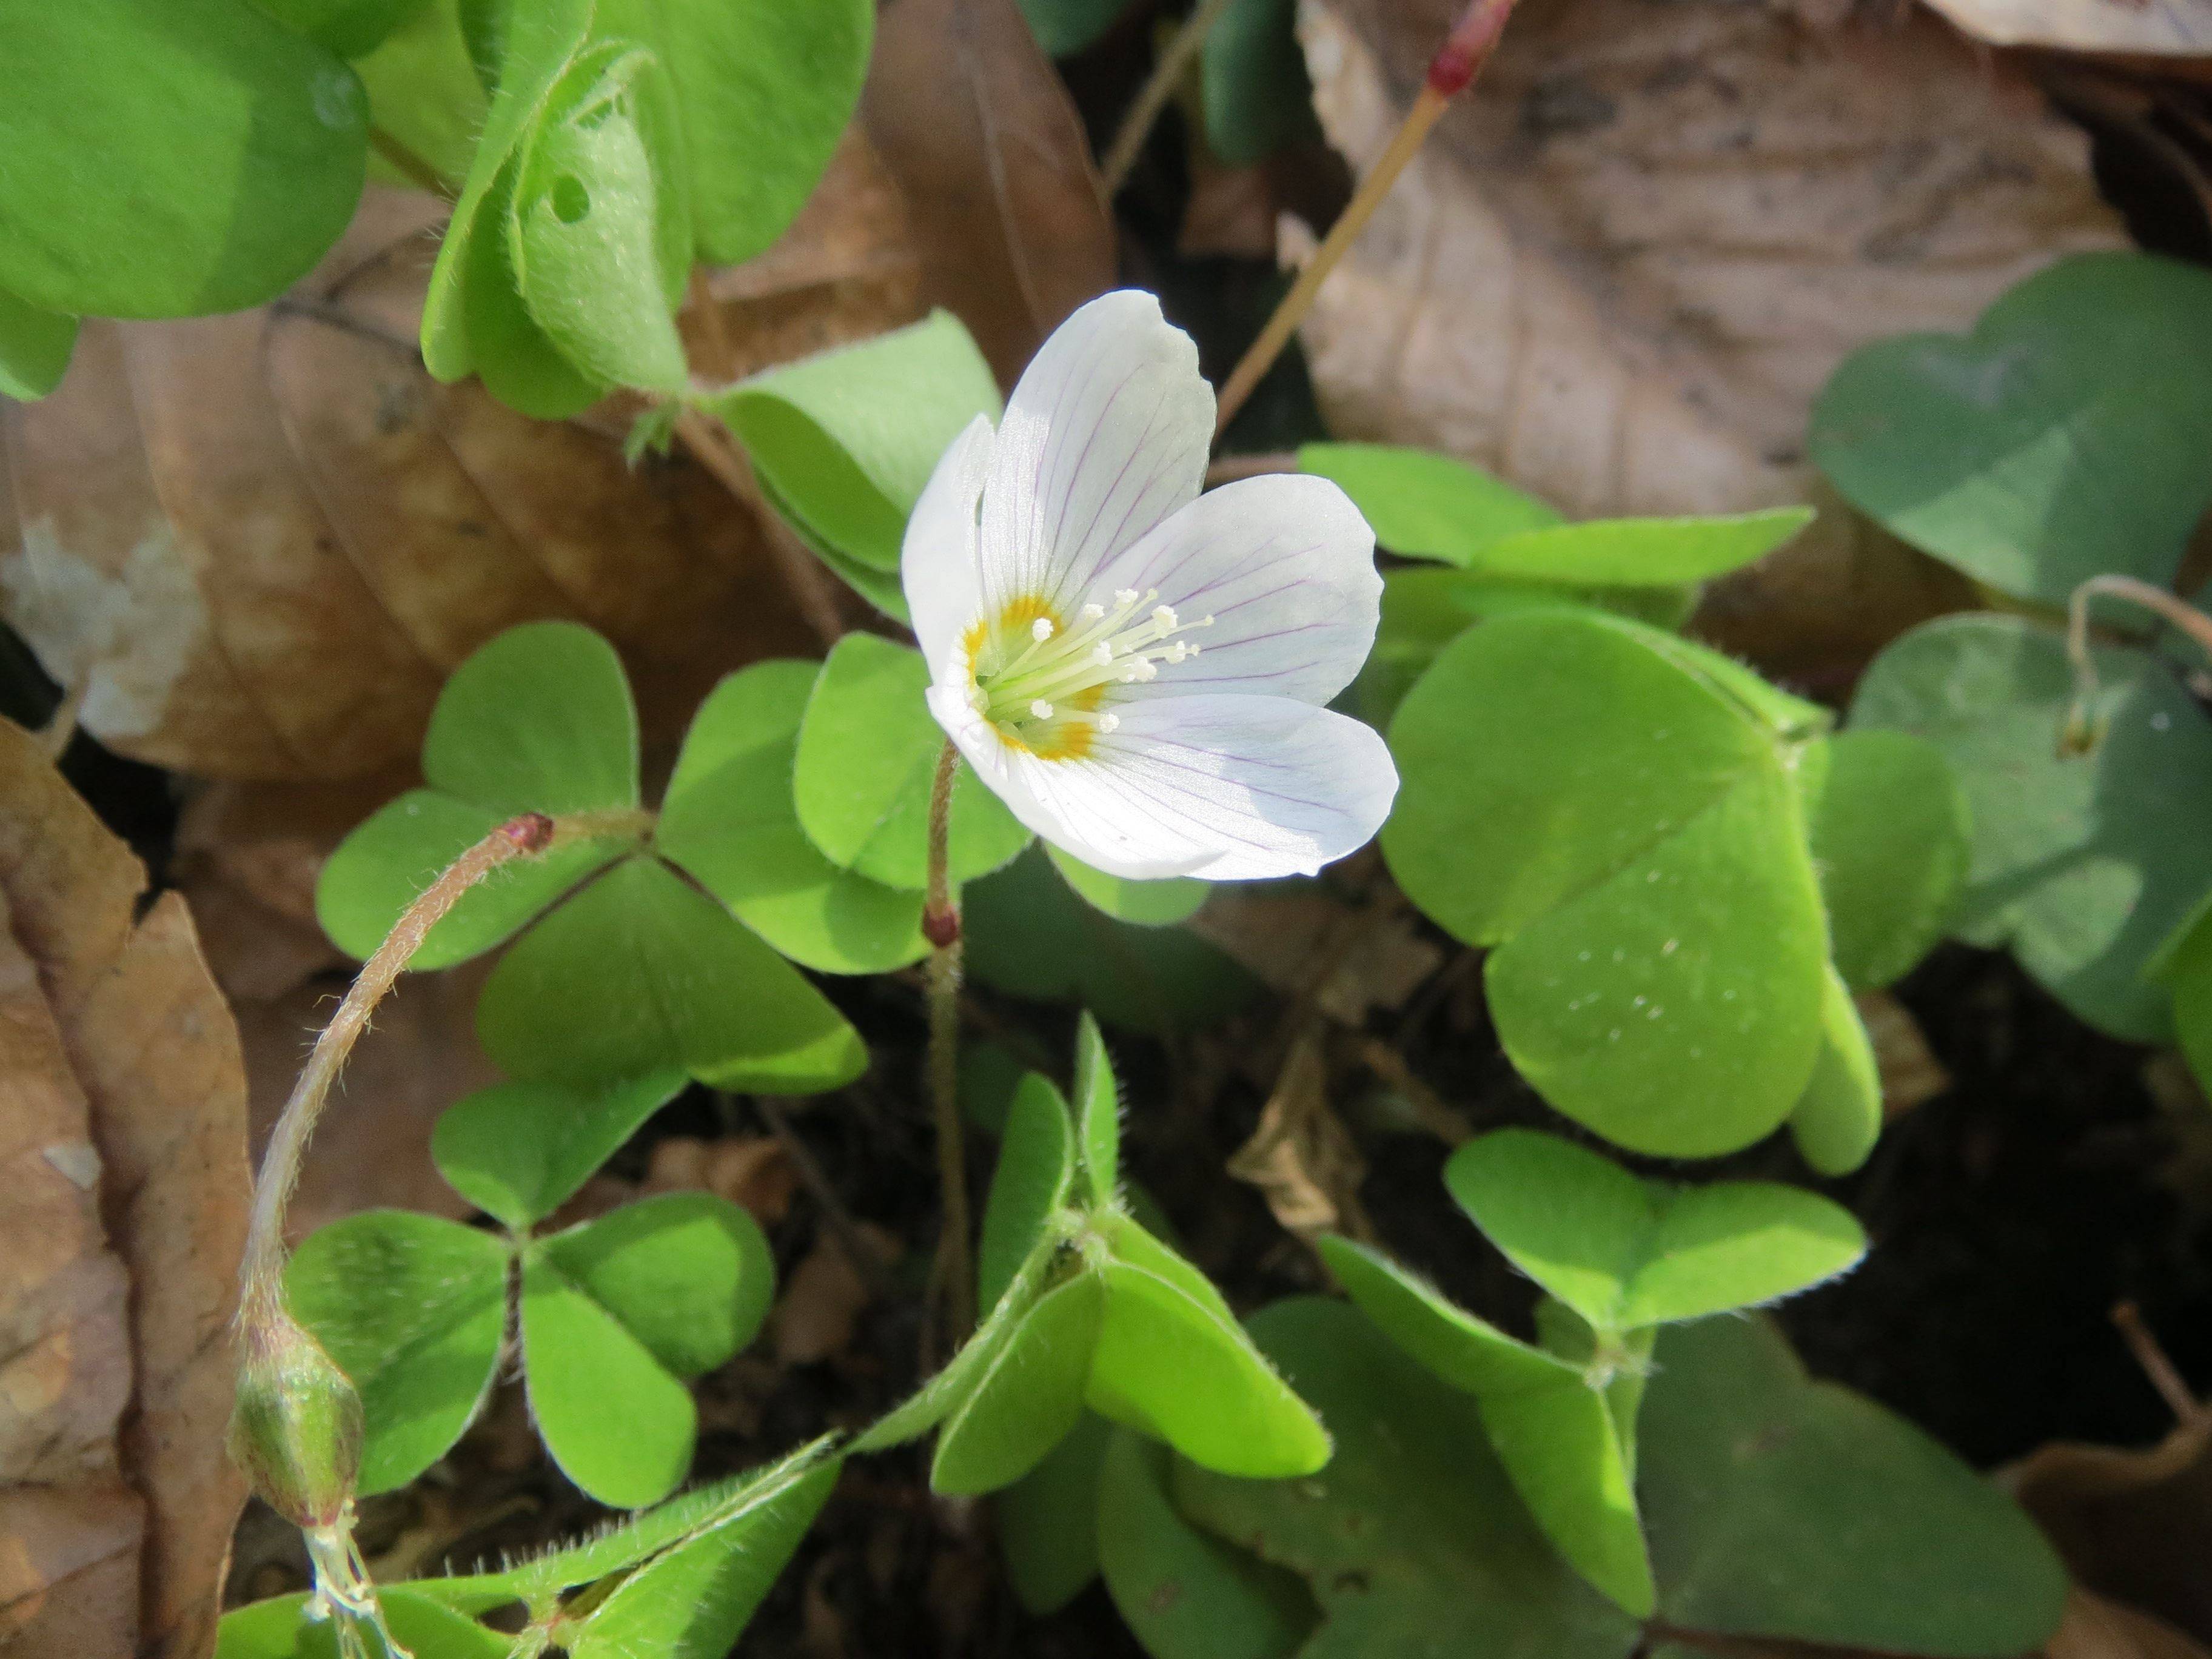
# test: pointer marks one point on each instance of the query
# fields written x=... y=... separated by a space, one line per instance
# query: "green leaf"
x=382 y=866
x=1891 y=838
x=1036 y=1168
x=1183 y=1592
x=946 y=1392
x=1178 y=1367
x=520 y=1150
x=1098 y=1114
x=1838 y=1118
x=1047 y=1520
x=1027 y=933
x=1548 y=1422
x=1641 y=552
x=729 y=821
x=1424 y=505
x=2064 y=437
x=350 y=29
x=2187 y=969
x=689 y=1275
x=538 y=719
x=280 y=1628
x=1064 y=27
x=695 y=1601
x=766 y=91
x=34 y=349
x=1412 y=1540
x=846 y=440
x=424 y=93
x=1029 y=1396
x=640 y=970
x=599 y=245
x=1623 y=1252
x=1781 y=1507
x=169 y=158
x=1257 y=96
x=618 y=1423
x=413 y=1309
x=2085 y=864
x=867 y=753
x=1608 y=808
x=1147 y=903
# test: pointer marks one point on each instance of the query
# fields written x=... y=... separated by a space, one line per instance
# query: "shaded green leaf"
x=689 y=1275
x=1838 y=1118
x=34 y=349
x=1256 y=93
x=2064 y=437
x=1185 y=1593
x=1098 y=1114
x=730 y=822
x=1047 y=1520
x=537 y=719
x=520 y=1150
x=1147 y=903
x=2084 y=864
x=1036 y=1169
x=281 y=1628
x=169 y=158
x=413 y=1309
x=350 y=28
x=640 y=970
x=867 y=753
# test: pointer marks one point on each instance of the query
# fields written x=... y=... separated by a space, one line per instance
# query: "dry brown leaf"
x=2096 y=1629
x=814 y=1317
x=1365 y=959
x=1911 y=1073
x=1301 y=1156
x=128 y=1189
x=1627 y=262
x=2151 y=29
x=254 y=545
x=2132 y=1525
x=754 y=1172
x=1005 y=203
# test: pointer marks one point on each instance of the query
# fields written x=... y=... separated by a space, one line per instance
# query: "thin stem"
x=404 y=160
x=802 y=573
x=2081 y=734
x=941 y=923
x=2151 y=1355
x=1152 y=98
x=1455 y=65
x=262 y=1298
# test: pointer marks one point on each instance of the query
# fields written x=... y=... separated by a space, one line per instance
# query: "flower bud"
x=296 y=1427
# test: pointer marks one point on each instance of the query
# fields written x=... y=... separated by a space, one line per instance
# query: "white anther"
x=1041 y=629
x=1139 y=670
x=1092 y=613
x=1178 y=651
x=1125 y=597
x=1109 y=722
x=1163 y=619
x=1041 y=708
x=1101 y=653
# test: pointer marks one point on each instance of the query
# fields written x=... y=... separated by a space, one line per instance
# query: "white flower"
x=1139 y=670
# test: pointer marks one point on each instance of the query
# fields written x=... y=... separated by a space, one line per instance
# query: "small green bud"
x=296 y=1428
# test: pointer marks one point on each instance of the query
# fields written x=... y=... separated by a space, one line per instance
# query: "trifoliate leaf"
x=520 y=1150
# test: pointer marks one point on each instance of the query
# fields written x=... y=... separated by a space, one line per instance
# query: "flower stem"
x=1456 y=63
x=940 y=924
x=2080 y=734
x=1152 y=98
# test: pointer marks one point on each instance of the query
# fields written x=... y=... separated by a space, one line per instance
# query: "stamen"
x=1041 y=708
x=1125 y=598
x=1090 y=613
x=1109 y=722
x=1163 y=619
x=1041 y=629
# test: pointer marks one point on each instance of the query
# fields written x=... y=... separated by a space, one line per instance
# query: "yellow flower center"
x=1045 y=681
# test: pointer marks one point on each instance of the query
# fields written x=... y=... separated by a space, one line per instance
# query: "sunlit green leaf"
x=520 y=1150
x=1891 y=838
x=1838 y=1118
x=1424 y=505
x=1028 y=1397
x=281 y=1629
x=34 y=349
x=1035 y=1172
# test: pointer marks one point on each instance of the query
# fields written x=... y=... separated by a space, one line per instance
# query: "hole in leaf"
x=571 y=201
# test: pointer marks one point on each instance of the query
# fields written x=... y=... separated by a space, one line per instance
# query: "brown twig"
x=1456 y=63
x=1153 y=97
x=803 y=574
x=2188 y=1410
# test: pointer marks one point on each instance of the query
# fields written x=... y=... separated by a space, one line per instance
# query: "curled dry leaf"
x=1624 y=264
x=822 y=1299
x=1301 y=1156
x=1368 y=956
x=1911 y=1073
x=127 y=1193
x=1007 y=211
x=754 y=1172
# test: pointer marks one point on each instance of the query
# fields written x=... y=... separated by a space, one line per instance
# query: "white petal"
x=1105 y=436
x=1284 y=564
x=938 y=560
x=1229 y=788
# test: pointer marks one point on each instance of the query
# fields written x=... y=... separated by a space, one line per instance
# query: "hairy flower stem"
x=1152 y=98
x=2080 y=734
x=295 y=1428
x=1456 y=63
x=940 y=924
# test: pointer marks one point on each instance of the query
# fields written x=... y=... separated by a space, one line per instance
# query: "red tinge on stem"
x=1462 y=54
x=530 y=833
x=940 y=928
